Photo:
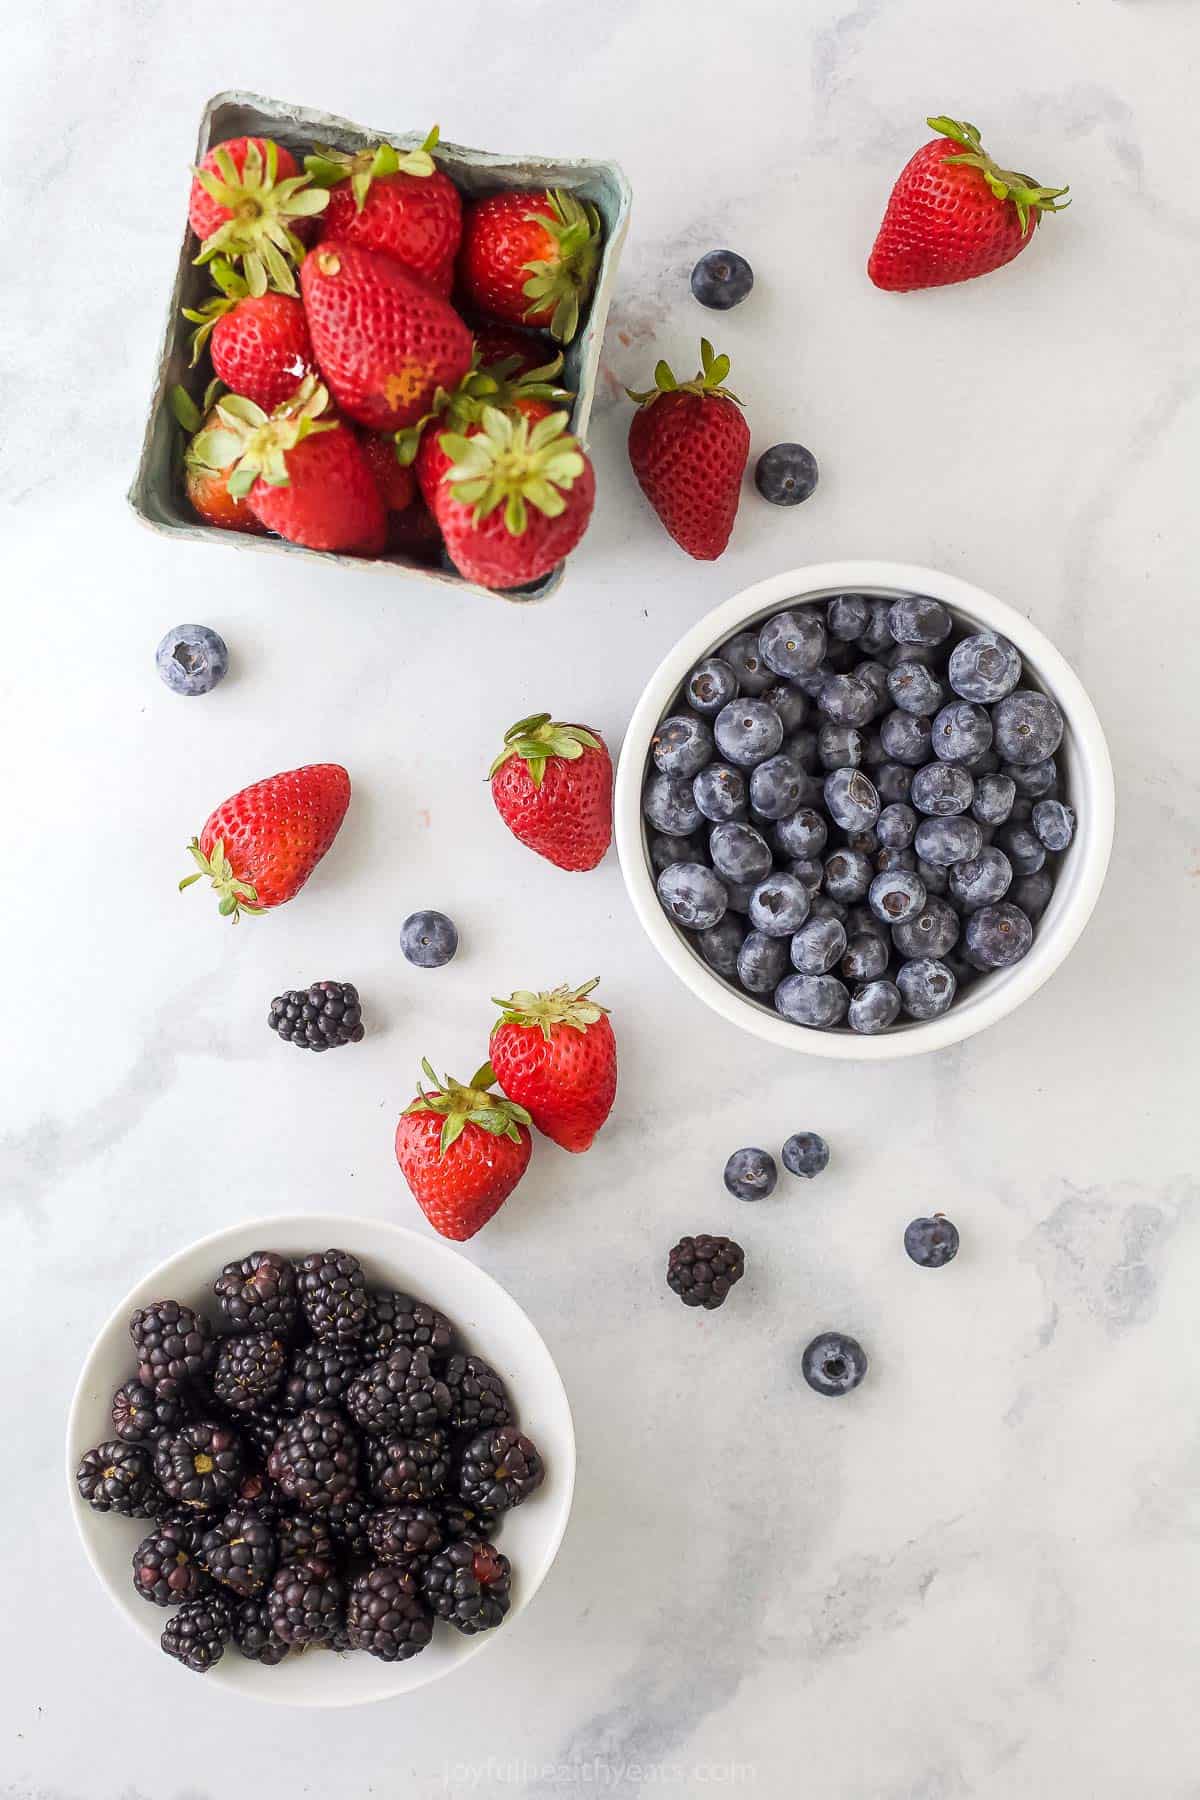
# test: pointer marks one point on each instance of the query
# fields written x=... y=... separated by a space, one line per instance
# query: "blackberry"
x=701 y=1270
x=139 y=1414
x=174 y=1345
x=348 y=1523
x=399 y=1397
x=386 y=1616
x=397 y=1321
x=407 y=1470
x=304 y=1535
x=404 y=1535
x=500 y=1468
x=240 y=1552
x=248 y=1370
x=165 y=1570
x=468 y=1585
x=197 y=1634
x=253 y=1635
x=259 y=1293
x=256 y=1489
x=462 y=1521
x=324 y=1018
x=478 y=1397
x=319 y=1376
x=333 y=1293
x=315 y=1459
x=117 y=1477
x=201 y=1465
x=259 y=1429
x=306 y=1602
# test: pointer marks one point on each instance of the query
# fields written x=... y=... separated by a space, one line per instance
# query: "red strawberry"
x=248 y=198
x=396 y=482
x=552 y=786
x=498 y=343
x=955 y=214
x=556 y=1055
x=397 y=202
x=516 y=500
x=462 y=1151
x=384 y=341
x=530 y=395
x=205 y=482
x=260 y=847
x=688 y=444
x=531 y=258
x=414 y=534
x=259 y=343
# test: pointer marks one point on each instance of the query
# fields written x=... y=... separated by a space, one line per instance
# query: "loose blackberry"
x=306 y=1602
x=139 y=1415
x=397 y=1321
x=407 y=1470
x=399 y=1397
x=248 y=1370
x=259 y=1293
x=404 y=1535
x=197 y=1634
x=324 y=1018
x=478 y=1397
x=500 y=1468
x=253 y=1635
x=315 y=1460
x=165 y=1570
x=468 y=1585
x=701 y=1270
x=174 y=1345
x=333 y=1293
x=304 y=1535
x=462 y=1521
x=117 y=1477
x=385 y=1615
x=240 y=1551
x=348 y=1521
x=319 y=1376
x=200 y=1466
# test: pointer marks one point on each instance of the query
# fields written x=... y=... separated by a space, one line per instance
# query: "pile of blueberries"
x=856 y=810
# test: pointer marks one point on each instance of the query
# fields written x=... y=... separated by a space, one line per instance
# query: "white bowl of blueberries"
x=864 y=810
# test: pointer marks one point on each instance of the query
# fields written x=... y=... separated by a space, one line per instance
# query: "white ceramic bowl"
x=490 y=1322
x=1083 y=758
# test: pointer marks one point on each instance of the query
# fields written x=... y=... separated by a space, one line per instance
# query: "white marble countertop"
x=979 y=1577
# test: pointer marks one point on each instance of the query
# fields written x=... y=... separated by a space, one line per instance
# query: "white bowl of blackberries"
x=864 y=810
x=303 y=1472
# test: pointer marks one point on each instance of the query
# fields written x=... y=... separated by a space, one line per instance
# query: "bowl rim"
x=343 y=1227
x=1091 y=778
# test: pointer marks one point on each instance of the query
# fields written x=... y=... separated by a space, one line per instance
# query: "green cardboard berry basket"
x=157 y=495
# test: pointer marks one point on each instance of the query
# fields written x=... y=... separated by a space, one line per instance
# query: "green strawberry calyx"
x=502 y=384
x=560 y=1006
x=1029 y=199
x=254 y=444
x=535 y=740
x=459 y=1106
x=707 y=382
x=564 y=280
x=328 y=168
x=513 y=464
x=233 y=288
x=261 y=208
x=188 y=414
x=237 y=897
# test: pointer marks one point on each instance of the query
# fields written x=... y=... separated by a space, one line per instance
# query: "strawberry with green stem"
x=248 y=198
x=529 y=394
x=516 y=498
x=260 y=846
x=395 y=201
x=688 y=445
x=205 y=477
x=462 y=1150
x=556 y=1055
x=531 y=259
x=552 y=786
x=259 y=343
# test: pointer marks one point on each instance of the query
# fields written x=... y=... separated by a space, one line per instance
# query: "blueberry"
x=866 y=958
x=818 y=946
x=845 y=700
x=191 y=659
x=428 y=939
x=1054 y=823
x=802 y=833
x=665 y=850
x=981 y=879
x=808 y=870
x=762 y=962
x=848 y=875
x=906 y=737
x=779 y=905
x=894 y=782
x=873 y=1007
x=926 y=654
x=1022 y=811
x=886 y=862
x=682 y=745
x=737 y=895
x=1032 y=893
x=801 y=746
x=720 y=943
x=942 y=789
x=748 y=731
x=739 y=852
x=751 y=1174
x=1035 y=781
x=720 y=792
x=722 y=279
x=846 y=616
x=669 y=803
x=806 y=1153
x=874 y=676
x=877 y=635
x=914 y=689
x=779 y=787
x=851 y=799
x=839 y=746
x=711 y=685
x=1028 y=726
x=819 y=1001
x=744 y=658
x=791 y=703
x=984 y=667
x=896 y=896
x=864 y=841
x=1023 y=848
x=927 y=987
x=833 y=1363
x=931 y=1243
x=961 y=732
x=986 y=763
x=860 y=918
x=692 y=895
x=918 y=620
x=786 y=474
x=935 y=876
x=993 y=798
x=946 y=841
x=933 y=933
x=896 y=825
x=793 y=643
x=998 y=936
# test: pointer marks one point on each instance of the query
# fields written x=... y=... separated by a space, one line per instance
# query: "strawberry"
x=530 y=395
x=462 y=1151
x=248 y=198
x=384 y=341
x=414 y=534
x=397 y=202
x=396 y=483
x=498 y=343
x=556 y=1055
x=205 y=481
x=516 y=499
x=552 y=786
x=531 y=259
x=260 y=846
x=259 y=343
x=688 y=444
x=954 y=214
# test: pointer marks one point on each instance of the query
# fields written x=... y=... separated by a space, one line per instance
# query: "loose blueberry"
x=720 y=792
x=914 y=689
x=851 y=799
x=722 y=279
x=926 y=986
x=818 y=946
x=428 y=939
x=933 y=933
x=791 y=703
x=793 y=643
x=1028 y=726
x=961 y=732
x=848 y=875
x=779 y=787
x=998 y=936
x=682 y=745
x=866 y=958
x=806 y=1153
x=895 y=896
x=748 y=732
x=745 y=659
x=845 y=700
x=739 y=852
x=984 y=667
x=931 y=1243
x=981 y=879
x=896 y=825
x=720 y=944
x=802 y=833
x=1022 y=846
x=946 y=841
x=779 y=905
x=819 y=1001
x=918 y=620
x=692 y=895
x=751 y=1174
x=786 y=474
x=873 y=1007
x=669 y=803
x=894 y=782
x=942 y=789
x=993 y=798
x=1054 y=823
x=833 y=1364
x=711 y=685
x=762 y=963
x=191 y=659
x=846 y=616
x=839 y=746
x=1036 y=780
x=906 y=738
